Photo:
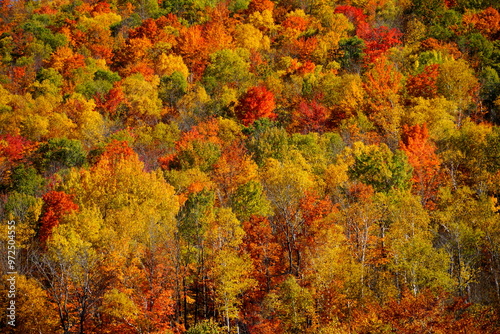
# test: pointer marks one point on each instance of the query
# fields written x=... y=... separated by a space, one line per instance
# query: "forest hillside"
x=250 y=166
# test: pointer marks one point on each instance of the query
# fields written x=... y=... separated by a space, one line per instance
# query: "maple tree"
x=425 y=162
x=56 y=204
x=256 y=103
x=193 y=47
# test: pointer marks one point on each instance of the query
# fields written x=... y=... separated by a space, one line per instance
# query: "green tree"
x=205 y=327
x=26 y=180
x=461 y=220
x=172 y=87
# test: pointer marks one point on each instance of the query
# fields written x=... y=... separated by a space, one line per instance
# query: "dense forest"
x=250 y=166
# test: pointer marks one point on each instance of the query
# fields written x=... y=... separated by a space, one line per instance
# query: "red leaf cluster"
x=422 y=156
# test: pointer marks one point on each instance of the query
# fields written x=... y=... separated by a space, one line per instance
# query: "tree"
x=379 y=167
x=198 y=148
x=13 y=151
x=172 y=88
x=231 y=273
x=293 y=305
x=249 y=199
x=142 y=97
x=457 y=82
x=261 y=245
x=382 y=85
x=438 y=114
x=230 y=68
x=310 y=117
x=205 y=327
x=267 y=141
x=249 y=37
x=486 y=21
x=56 y=205
x=88 y=123
x=26 y=180
x=460 y=222
x=258 y=102
x=122 y=234
x=422 y=157
x=73 y=277
x=337 y=26
x=168 y=64
x=193 y=47
x=34 y=311
x=285 y=183
x=332 y=271
x=111 y=101
x=65 y=61
x=234 y=169
x=219 y=31
x=428 y=311
x=361 y=219
x=352 y=53
x=193 y=107
x=416 y=264
x=424 y=84
x=60 y=153
x=429 y=11
x=464 y=157
x=378 y=41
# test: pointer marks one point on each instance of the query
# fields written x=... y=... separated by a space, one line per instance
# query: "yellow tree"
x=249 y=37
x=462 y=220
x=336 y=27
x=360 y=218
x=34 y=311
x=88 y=124
x=332 y=271
x=168 y=64
x=457 y=83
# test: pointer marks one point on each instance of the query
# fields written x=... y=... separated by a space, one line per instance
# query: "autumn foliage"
x=251 y=166
x=56 y=205
x=257 y=102
x=422 y=156
x=424 y=84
